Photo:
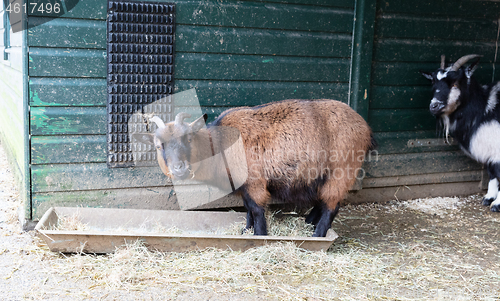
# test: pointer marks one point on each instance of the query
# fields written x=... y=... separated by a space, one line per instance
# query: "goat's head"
x=447 y=84
x=173 y=144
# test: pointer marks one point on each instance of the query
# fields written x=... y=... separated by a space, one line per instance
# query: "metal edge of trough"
x=108 y=241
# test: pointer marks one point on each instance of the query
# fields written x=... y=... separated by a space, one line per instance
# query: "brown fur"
x=293 y=142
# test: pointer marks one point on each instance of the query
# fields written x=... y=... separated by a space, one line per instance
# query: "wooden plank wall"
x=13 y=134
x=411 y=36
x=233 y=52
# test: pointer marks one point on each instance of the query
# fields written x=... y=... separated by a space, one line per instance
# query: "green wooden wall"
x=13 y=110
x=233 y=53
x=410 y=36
x=248 y=53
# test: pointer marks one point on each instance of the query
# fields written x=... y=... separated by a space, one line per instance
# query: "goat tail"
x=373 y=143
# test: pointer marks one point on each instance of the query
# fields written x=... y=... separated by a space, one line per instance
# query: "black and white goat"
x=470 y=113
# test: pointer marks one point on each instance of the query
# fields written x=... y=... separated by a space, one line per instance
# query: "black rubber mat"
x=140 y=53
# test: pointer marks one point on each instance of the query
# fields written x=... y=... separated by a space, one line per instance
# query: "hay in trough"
x=69 y=223
x=279 y=224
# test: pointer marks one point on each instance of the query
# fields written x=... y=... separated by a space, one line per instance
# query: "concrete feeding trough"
x=106 y=229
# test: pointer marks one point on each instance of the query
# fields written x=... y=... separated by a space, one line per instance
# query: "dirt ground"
x=26 y=272
x=430 y=249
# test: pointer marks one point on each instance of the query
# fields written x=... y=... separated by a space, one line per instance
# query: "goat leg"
x=314 y=216
x=492 y=193
x=255 y=216
x=250 y=221
x=325 y=222
x=494 y=171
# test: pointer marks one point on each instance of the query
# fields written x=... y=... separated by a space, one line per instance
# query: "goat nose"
x=179 y=166
x=434 y=105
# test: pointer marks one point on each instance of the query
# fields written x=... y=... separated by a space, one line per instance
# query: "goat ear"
x=471 y=68
x=198 y=123
x=427 y=75
x=144 y=138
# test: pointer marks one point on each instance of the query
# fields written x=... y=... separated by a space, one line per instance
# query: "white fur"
x=446 y=124
x=493 y=100
x=492 y=189
x=485 y=145
x=453 y=102
x=441 y=75
x=451 y=106
x=434 y=100
x=495 y=202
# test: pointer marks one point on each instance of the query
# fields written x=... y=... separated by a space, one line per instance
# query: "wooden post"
x=27 y=211
x=361 y=56
x=361 y=60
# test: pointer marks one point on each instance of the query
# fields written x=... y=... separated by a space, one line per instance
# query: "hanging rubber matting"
x=140 y=76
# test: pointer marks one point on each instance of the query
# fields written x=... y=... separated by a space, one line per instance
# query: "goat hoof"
x=495 y=208
x=246 y=230
x=487 y=202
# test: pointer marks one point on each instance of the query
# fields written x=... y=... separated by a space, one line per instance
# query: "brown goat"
x=303 y=151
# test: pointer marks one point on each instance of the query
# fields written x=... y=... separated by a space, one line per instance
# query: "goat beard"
x=443 y=124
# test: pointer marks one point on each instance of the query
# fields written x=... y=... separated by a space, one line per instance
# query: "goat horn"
x=461 y=61
x=179 y=119
x=442 y=61
x=158 y=121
